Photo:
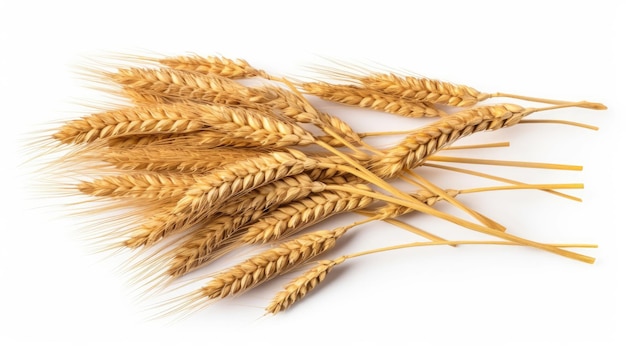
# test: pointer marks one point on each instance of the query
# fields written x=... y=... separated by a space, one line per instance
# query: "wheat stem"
x=522 y=164
x=459 y=221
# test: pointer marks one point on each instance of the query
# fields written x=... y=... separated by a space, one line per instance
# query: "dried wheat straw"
x=300 y=286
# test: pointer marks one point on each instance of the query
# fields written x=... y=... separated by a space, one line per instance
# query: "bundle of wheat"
x=212 y=165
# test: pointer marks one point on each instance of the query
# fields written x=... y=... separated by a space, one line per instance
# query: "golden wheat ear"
x=410 y=87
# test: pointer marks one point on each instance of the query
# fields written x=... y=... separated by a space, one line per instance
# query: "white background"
x=53 y=291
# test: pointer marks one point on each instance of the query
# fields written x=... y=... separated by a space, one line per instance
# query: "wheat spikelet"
x=270 y=263
x=222 y=66
x=206 y=139
x=424 y=89
x=173 y=159
x=213 y=189
x=182 y=85
x=297 y=289
x=292 y=217
x=139 y=140
x=372 y=99
x=128 y=121
x=145 y=185
x=323 y=173
x=416 y=147
x=259 y=127
x=140 y=97
x=339 y=126
x=248 y=124
x=300 y=110
x=278 y=192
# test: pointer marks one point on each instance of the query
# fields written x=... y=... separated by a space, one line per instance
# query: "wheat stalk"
x=300 y=286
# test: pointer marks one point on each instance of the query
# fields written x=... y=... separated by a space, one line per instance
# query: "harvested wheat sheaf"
x=221 y=165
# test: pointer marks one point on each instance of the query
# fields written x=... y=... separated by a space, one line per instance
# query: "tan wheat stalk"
x=300 y=286
x=405 y=200
x=372 y=99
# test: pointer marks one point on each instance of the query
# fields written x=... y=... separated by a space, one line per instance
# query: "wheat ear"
x=294 y=216
x=145 y=185
x=436 y=91
x=368 y=98
x=299 y=287
x=222 y=66
x=416 y=147
x=174 y=159
x=423 y=89
x=127 y=121
x=270 y=263
x=180 y=85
